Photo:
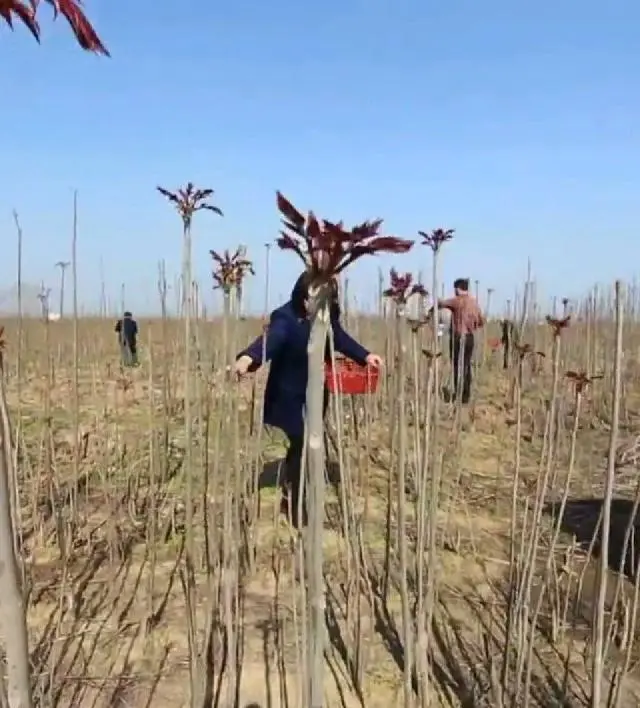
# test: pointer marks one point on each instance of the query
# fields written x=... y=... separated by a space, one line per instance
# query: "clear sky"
x=516 y=123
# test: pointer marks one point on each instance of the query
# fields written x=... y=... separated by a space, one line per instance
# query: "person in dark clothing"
x=466 y=318
x=285 y=345
x=507 y=339
x=127 y=330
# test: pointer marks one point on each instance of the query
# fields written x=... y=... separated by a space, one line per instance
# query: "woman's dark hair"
x=461 y=284
x=300 y=294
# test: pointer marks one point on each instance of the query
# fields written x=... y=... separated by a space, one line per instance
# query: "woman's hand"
x=374 y=361
x=242 y=366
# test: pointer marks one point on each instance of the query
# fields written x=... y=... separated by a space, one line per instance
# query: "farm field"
x=112 y=496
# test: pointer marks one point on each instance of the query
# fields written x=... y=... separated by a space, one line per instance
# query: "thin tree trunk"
x=239 y=295
x=597 y=669
x=196 y=667
x=62 y=275
x=315 y=497
x=13 y=625
x=403 y=552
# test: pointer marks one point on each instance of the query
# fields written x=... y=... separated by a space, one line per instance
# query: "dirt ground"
x=108 y=626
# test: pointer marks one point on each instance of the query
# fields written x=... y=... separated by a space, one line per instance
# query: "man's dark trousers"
x=461 y=357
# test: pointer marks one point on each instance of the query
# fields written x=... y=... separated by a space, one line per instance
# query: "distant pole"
x=267 y=283
x=43 y=296
x=63 y=265
x=103 y=291
x=242 y=254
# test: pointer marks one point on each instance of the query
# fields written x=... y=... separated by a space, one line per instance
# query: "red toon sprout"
x=581 y=380
x=327 y=248
x=231 y=269
x=558 y=325
x=189 y=200
x=25 y=11
x=402 y=288
x=436 y=238
x=526 y=349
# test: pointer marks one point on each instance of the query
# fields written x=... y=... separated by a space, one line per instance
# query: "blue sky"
x=515 y=123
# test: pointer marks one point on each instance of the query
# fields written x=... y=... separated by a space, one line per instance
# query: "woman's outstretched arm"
x=265 y=347
x=346 y=345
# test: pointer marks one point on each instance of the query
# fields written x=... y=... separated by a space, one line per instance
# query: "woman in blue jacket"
x=286 y=348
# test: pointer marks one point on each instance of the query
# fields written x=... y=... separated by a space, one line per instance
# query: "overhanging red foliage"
x=25 y=11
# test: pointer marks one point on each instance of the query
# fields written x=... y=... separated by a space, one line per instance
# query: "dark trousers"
x=461 y=357
x=293 y=481
x=128 y=354
x=507 y=340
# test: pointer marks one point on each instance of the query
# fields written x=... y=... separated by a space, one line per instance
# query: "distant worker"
x=466 y=318
x=127 y=330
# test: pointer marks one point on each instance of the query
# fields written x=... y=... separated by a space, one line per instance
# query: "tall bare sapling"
x=326 y=249
x=187 y=201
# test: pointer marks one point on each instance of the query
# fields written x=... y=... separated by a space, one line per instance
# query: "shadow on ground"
x=582 y=519
x=273 y=473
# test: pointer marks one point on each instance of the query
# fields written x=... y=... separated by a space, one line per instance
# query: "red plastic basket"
x=351 y=378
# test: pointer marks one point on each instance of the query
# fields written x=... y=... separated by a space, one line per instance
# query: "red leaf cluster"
x=25 y=11
x=327 y=248
x=189 y=200
x=230 y=268
x=436 y=238
x=526 y=349
x=581 y=379
x=557 y=325
x=417 y=324
x=430 y=355
x=402 y=287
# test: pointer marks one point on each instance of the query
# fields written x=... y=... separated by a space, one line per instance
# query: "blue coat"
x=286 y=348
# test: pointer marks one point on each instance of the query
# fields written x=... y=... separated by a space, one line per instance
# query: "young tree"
x=187 y=201
x=400 y=290
x=13 y=624
x=229 y=272
x=326 y=249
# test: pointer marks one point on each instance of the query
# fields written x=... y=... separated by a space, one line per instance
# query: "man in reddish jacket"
x=466 y=318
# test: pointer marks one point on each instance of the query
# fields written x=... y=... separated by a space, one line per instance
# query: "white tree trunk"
x=13 y=624
x=239 y=295
x=315 y=474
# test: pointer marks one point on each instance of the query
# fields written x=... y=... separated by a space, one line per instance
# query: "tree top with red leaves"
x=327 y=248
x=230 y=268
x=26 y=10
x=402 y=287
x=188 y=200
